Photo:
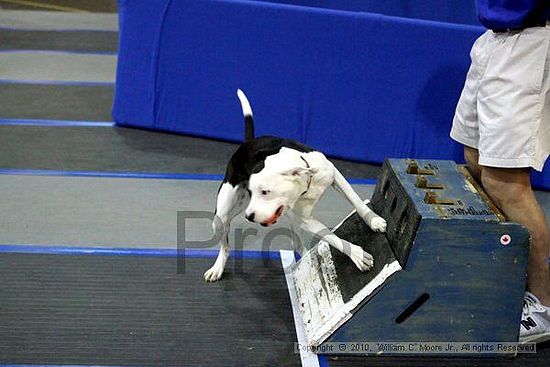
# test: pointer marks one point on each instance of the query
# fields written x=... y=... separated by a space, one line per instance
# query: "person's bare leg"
x=472 y=159
x=510 y=189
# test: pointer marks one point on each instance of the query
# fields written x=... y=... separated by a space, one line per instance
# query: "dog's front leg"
x=230 y=202
x=375 y=222
x=296 y=236
x=362 y=259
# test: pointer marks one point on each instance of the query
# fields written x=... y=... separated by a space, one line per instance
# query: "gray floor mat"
x=81 y=41
x=54 y=67
x=137 y=311
x=81 y=5
x=44 y=20
x=56 y=102
x=122 y=212
x=124 y=149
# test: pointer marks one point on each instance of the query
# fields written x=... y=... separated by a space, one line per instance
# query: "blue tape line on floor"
x=323 y=361
x=43 y=52
x=362 y=181
x=162 y=176
x=169 y=176
x=64 y=123
x=108 y=251
x=53 y=29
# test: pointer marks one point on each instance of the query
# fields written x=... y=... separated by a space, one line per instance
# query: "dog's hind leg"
x=375 y=222
x=231 y=201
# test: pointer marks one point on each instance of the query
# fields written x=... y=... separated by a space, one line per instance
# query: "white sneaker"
x=535 y=321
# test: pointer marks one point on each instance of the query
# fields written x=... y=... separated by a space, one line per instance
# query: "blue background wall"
x=356 y=85
x=450 y=11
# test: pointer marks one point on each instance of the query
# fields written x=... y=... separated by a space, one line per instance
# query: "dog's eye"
x=265 y=192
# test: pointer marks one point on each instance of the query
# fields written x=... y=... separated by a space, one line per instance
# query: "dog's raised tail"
x=248 y=117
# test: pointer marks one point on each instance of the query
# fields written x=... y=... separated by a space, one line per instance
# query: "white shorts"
x=504 y=109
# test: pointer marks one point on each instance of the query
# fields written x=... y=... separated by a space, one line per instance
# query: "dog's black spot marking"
x=249 y=158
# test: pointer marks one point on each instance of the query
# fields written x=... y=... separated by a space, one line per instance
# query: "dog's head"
x=276 y=188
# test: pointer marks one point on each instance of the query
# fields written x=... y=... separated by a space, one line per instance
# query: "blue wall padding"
x=140 y=24
x=449 y=11
x=356 y=85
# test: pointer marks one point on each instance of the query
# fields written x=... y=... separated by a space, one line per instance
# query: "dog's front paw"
x=362 y=259
x=214 y=273
x=378 y=224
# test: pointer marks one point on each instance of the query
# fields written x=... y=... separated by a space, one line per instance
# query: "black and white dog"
x=268 y=176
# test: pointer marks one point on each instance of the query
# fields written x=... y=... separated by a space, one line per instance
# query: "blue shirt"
x=512 y=14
